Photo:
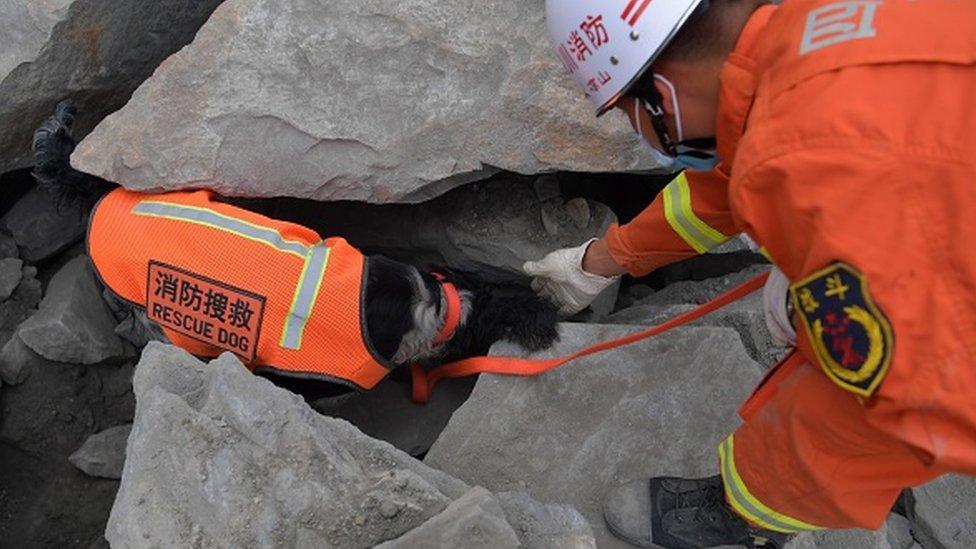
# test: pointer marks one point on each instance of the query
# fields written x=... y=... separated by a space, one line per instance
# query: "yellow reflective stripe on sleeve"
x=739 y=497
x=765 y=253
x=681 y=216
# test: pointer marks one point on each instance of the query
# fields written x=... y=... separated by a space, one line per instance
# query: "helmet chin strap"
x=692 y=153
x=674 y=105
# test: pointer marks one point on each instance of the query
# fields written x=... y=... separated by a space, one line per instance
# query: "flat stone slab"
x=658 y=407
x=371 y=101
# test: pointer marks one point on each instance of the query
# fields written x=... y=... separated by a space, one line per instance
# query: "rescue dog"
x=405 y=309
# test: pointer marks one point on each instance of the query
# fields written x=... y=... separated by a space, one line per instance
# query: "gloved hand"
x=559 y=276
x=775 y=309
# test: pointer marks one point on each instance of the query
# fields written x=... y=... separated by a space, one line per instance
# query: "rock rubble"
x=218 y=456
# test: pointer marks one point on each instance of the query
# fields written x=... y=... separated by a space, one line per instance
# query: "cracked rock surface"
x=218 y=456
x=658 y=407
x=371 y=101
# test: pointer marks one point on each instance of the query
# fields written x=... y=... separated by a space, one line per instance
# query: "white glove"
x=775 y=311
x=559 y=276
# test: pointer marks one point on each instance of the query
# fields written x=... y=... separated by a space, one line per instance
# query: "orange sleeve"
x=690 y=216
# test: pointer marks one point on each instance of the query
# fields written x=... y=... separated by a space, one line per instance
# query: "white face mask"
x=699 y=159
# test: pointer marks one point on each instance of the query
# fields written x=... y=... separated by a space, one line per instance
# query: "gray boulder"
x=25 y=27
x=541 y=526
x=8 y=247
x=387 y=412
x=20 y=304
x=41 y=228
x=94 y=53
x=745 y=316
x=696 y=292
x=10 y=276
x=894 y=534
x=73 y=324
x=474 y=520
x=17 y=361
x=946 y=512
x=656 y=407
x=103 y=454
x=372 y=101
x=220 y=457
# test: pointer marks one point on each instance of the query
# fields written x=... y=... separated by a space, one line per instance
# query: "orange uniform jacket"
x=855 y=168
x=219 y=278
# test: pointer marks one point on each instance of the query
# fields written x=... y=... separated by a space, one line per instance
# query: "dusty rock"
x=48 y=503
x=656 y=407
x=474 y=520
x=542 y=526
x=10 y=275
x=94 y=53
x=696 y=292
x=744 y=316
x=8 y=248
x=387 y=412
x=72 y=323
x=103 y=454
x=20 y=305
x=218 y=456
x=373 y=101
x=16 y=360
x=845 y=539
x=42 y=229
x=946 y=509
x=900 y=533
x=25 y=27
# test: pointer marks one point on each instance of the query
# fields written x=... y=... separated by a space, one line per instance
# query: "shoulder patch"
x=850 y=335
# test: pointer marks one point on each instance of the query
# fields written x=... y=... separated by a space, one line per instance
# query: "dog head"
x=405 y=329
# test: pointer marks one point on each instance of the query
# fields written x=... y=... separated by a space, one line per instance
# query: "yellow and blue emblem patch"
x=852 y=338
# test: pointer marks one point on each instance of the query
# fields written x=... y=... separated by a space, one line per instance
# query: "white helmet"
x=606 y=45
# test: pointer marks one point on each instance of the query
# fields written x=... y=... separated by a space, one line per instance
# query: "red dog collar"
x=453 y=316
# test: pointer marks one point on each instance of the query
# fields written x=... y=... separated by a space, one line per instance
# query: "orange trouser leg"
x=807 y=458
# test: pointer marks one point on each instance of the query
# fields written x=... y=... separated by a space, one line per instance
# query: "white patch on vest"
x=418 y=343
x=838 y=22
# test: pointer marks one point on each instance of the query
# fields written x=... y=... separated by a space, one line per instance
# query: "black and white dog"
x=405 y=308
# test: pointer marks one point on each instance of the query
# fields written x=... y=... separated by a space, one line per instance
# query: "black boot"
x=678 y=513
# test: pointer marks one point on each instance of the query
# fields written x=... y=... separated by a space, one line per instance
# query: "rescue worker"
x=836 y=134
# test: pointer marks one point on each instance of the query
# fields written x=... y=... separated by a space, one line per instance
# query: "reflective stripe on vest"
x=210 y=218
x=682 y=218
x=305 y=295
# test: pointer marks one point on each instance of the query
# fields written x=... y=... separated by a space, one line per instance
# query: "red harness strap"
x=424 y=382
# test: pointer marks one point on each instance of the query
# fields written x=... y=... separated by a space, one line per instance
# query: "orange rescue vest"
x=219 y=278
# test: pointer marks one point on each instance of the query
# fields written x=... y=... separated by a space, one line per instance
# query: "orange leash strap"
x=424 y=381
